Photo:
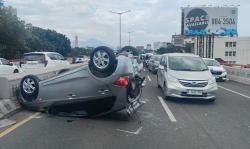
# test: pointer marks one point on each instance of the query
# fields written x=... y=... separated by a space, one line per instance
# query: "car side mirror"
x=10 y=64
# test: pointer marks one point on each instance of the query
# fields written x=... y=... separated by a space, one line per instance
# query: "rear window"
x=55 y=56
x=34 y=57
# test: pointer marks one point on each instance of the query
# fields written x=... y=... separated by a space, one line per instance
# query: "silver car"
x=107 y=84
x=186 y=76
x=216 y=69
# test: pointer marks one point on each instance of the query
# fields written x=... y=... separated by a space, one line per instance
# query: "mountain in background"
x=92 y=42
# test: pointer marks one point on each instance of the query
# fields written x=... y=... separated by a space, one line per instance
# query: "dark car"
x=153 y=63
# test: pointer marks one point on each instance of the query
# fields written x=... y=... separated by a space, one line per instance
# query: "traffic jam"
x=142 y=93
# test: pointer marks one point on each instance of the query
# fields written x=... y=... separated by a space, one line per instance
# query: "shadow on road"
x=191 y=101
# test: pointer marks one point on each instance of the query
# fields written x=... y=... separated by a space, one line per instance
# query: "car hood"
x=191 y=75
x=216 y=68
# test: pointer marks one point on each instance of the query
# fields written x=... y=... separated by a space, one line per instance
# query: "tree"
x=188 y=47
x=169 y=49
x=12 y=32
x=79 y=51
x=17 y=37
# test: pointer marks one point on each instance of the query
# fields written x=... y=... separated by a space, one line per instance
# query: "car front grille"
x=216 y=72
x=193 y=83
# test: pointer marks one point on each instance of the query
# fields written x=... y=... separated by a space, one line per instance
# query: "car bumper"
x=222 y=77
x=179 y=91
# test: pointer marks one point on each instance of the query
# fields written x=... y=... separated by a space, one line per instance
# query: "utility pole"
x=120 y=25
x=129 y=40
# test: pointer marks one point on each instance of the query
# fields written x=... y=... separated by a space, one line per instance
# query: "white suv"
x=37 y=60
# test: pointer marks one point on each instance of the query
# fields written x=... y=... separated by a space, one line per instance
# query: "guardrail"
x=10 y=83
x=238 y=74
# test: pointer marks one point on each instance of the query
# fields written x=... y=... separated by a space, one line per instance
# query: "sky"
x=149 y=20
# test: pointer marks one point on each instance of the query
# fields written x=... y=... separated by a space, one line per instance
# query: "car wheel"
x=158 y=85
x=15 y=71
x=29 y=88
x=165 y=91
x=102 y=60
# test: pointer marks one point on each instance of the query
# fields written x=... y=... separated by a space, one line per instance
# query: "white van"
x=186 y=76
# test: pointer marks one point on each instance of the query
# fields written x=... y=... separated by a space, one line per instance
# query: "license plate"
x=194 y=92
x=216 y=77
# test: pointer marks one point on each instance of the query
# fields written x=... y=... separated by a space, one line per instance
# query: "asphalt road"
x=159 y=124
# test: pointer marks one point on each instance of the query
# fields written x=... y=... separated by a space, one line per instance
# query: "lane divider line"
x=149 y=78
x=167 y=110
x=234 y=92
x=12 y=128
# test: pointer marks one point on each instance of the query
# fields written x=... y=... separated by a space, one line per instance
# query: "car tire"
x=16 y=71
x=102 y=61
x=29 y=88
x=158 y=85
x=165 y=91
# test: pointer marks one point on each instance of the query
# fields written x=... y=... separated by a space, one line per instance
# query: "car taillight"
x=122 y=81
x=22 y=62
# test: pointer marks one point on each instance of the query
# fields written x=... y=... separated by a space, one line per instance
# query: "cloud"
x=150 y=20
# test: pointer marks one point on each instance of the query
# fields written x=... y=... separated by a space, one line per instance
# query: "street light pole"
x=129 y=41
x=120 y=25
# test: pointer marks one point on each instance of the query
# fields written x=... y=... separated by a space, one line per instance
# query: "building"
x=149 y=47
x=76 y=42
x=212 y=33
x=178 y=40
x=230 y=49
x=158 y=45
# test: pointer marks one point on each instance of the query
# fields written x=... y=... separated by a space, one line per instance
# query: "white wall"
x=242 y=49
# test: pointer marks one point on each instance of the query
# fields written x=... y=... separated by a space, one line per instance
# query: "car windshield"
x=211 y=62
x=186 y=63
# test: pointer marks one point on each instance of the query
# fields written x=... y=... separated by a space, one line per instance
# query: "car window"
x=52 y=56
x=59 y=56
x=162 y=62
x=211 y=62
x=186 y=63
x=33 y=57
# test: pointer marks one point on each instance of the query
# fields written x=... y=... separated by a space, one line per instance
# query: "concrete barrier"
x=10 y=83
x=237 y=74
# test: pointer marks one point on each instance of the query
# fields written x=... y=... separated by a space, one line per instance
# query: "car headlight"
x=173 y=79
x=212 y=80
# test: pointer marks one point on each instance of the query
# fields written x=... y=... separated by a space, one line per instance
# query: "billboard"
x=209 y=20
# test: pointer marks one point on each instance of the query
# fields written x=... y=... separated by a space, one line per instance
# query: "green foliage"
x=12 y=32
x=16 y=37
x=47 y=40
x=79 y=51
x=169 y=49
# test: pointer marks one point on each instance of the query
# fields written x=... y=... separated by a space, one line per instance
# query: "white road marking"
x=131 y=132
x=234 y=92
x=149 y=78
x=167 y=110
